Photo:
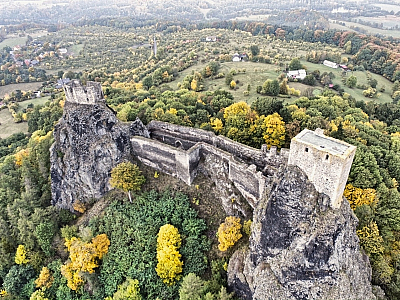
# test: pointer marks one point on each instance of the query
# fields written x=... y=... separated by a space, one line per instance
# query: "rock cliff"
x=300 y=247
x=89 y=142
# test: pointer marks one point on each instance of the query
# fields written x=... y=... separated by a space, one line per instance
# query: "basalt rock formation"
x=89 y=142
x=301 y=247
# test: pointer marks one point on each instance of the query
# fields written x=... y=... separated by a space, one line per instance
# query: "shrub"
x=229 y=233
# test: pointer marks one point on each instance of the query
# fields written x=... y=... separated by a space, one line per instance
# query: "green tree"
x=192 y=288
x=129 y=290
x=255 y=50
x=127 y=177
x=351 y=82
x=271 y=87
x=295 y=64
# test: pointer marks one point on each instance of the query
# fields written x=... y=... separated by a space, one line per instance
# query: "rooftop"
x=328 y=144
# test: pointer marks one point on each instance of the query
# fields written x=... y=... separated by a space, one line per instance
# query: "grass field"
x=361 y=79
x=7 y=89
x=370 y=30
x=36 y=101
x=11 y=42
x=256 y=74
x=8 y=126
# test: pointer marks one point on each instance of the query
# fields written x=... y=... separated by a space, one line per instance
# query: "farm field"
x=8 y=126
x=370 y=30
x=361 y=79
x=7 y=89
x=12 y=42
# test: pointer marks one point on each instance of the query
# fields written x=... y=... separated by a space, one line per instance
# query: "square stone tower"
x=75 y=92
x=325 y=160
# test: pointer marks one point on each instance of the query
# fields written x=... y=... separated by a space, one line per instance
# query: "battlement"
x=89 y=94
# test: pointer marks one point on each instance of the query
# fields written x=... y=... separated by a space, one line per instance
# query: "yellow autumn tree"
x=38 y=295
x=229 y=233
x=127 y=177
x=45 y=279
x=274 y=134
x=217 y=125
x=232 y=84
x=83 y=257
x=20 y=155
x=358 y=196
x=370 y=239
x=20 y=255
x=193 y=85
x=169 y=265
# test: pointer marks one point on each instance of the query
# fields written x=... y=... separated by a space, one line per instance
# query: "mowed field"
x=370 y=30
x=8 y=126
x=8 y=89
x=361 y=79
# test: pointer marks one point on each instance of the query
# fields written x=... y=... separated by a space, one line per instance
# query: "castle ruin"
x=179 y=151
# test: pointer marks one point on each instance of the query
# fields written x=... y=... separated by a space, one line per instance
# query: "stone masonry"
x=179 y=151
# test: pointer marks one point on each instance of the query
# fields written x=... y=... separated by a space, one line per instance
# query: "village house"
x=297 y=74
x=330 y=64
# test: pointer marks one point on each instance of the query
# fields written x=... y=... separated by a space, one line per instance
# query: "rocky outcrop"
x=89 y=142
x=300 y=247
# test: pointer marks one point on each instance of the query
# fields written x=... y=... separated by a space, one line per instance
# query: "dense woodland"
x=47 y=253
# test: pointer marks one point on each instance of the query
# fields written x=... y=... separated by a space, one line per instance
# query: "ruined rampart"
x=179 y=151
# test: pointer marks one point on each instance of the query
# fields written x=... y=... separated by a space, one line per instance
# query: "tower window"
x=327 y=156
x=306 y=149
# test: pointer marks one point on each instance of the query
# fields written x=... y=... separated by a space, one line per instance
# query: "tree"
x=84 y=257
x=224 y=295
x=295 y=64
x=370 y=239
x=129 y=290
x=254 y=50
x=192 y=288
x=228 y=78
x=38 y=295
x=351 y=82
x=18 y=279
x=169 y=264
x=271 y=87
x=229 y=233
x=20 y=255
x=267 y=105
x=357 y=196
x=127 y=177
x=274 y=134
x=232 y=85
x=45 y=279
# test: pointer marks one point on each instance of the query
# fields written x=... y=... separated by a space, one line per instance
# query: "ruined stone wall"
x=89 y=94
x=187 y=137
x=185 y=164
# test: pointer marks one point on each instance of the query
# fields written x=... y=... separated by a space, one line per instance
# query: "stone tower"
x=89 y=94
x=325 y=160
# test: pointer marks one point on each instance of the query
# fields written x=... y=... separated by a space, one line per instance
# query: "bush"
x=229 y=233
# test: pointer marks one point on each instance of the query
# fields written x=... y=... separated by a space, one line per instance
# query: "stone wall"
x=89 y=94
x=326 y=167
x=187 y=137
x=178 y=151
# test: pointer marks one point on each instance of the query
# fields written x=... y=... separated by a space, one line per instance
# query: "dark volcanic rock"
x=300 y=247
x=89 y=142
